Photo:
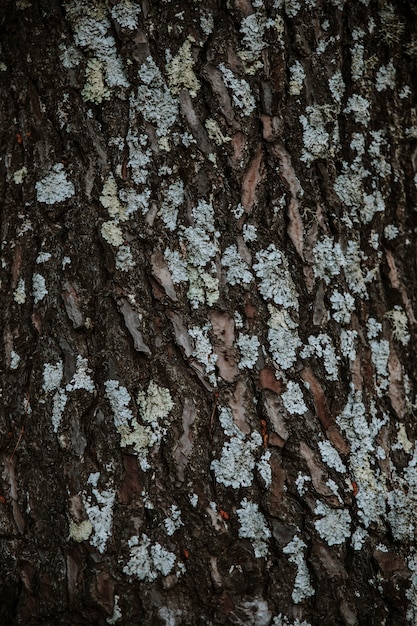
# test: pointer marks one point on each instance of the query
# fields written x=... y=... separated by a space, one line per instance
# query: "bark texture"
x=208 y=299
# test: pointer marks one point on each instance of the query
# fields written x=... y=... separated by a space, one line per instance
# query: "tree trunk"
x=208 y=311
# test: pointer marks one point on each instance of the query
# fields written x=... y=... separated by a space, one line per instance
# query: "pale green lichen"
x=95 y=89
x=80 y=532
x=112 y=233
x=19 y=175
x=180 y=71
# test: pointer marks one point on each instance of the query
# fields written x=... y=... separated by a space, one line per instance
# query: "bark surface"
x=208 y=299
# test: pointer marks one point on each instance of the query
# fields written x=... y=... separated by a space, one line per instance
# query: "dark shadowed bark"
x=208 y=300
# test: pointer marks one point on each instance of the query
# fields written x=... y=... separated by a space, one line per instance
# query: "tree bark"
x=208 y=296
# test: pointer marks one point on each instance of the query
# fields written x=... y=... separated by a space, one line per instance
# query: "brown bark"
x=200 y=201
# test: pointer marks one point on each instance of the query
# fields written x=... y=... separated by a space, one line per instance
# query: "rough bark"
x=208 y=293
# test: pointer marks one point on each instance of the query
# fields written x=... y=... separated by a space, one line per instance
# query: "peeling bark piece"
x=103 y=591
x=334 y=436
x=277 y=486
x=318 y=397
x=182 y=337
x=296 y=226
x=215 y=574
x=215 y=78
x=161 y=273
x=237 y=402
x=267 y=380
x=183 y=448
x=71 y=303
x=331 y=563
x=319 y=311
x=131 y=485
x=10 y=473
x=194 y=123
x=223 y=328
x=72 y=577
x=272 y=127
x=253 y=176
x=396 y=386
x=391 y=564
x=133 y=321
x=396 y=283
x=273 y=410
x=318 y=476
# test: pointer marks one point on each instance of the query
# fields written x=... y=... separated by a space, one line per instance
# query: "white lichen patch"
x=331 y=457
x=81 y=378
x=91 y=27
x=264 y=468
x=14 y=360
x=154 y=100
x=154 y=407
x=380 y=350
x=139 y=159
x=302 y=585
x=58 y=406
x=174 y=197
x=99 y=509
x=155 y=404
x=174 y=521
x=249 y=350
x=293 y=399
x=402 y=502
x=337 y=87
x=328 y=259
x=316 y=138
x=385 y=77
x=19 y=294
x=333 y=525
x=180 y=71
x=359 y=107
x=252 y=526
x=55 y=187
x=39 y=290
x=399 y=323
x=411 y=593
x=283 y=338
x=297 y=77
x=275 y=280
x=126 y=13
x=52 y=376
x=391 y=232
x=252 y=28
x=343 y=304
x=237 y=462
x=148 y=561
x=322 y=347
x=358 y=538
x=43 y=257
x=177 y=266
x=203 y=350
x=241 y=93
x=300 y=483
x=363 y=463
x=249 y=233
x=124 y=259
x=237 y=270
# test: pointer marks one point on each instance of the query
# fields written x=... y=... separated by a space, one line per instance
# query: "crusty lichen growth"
x=256 y=275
